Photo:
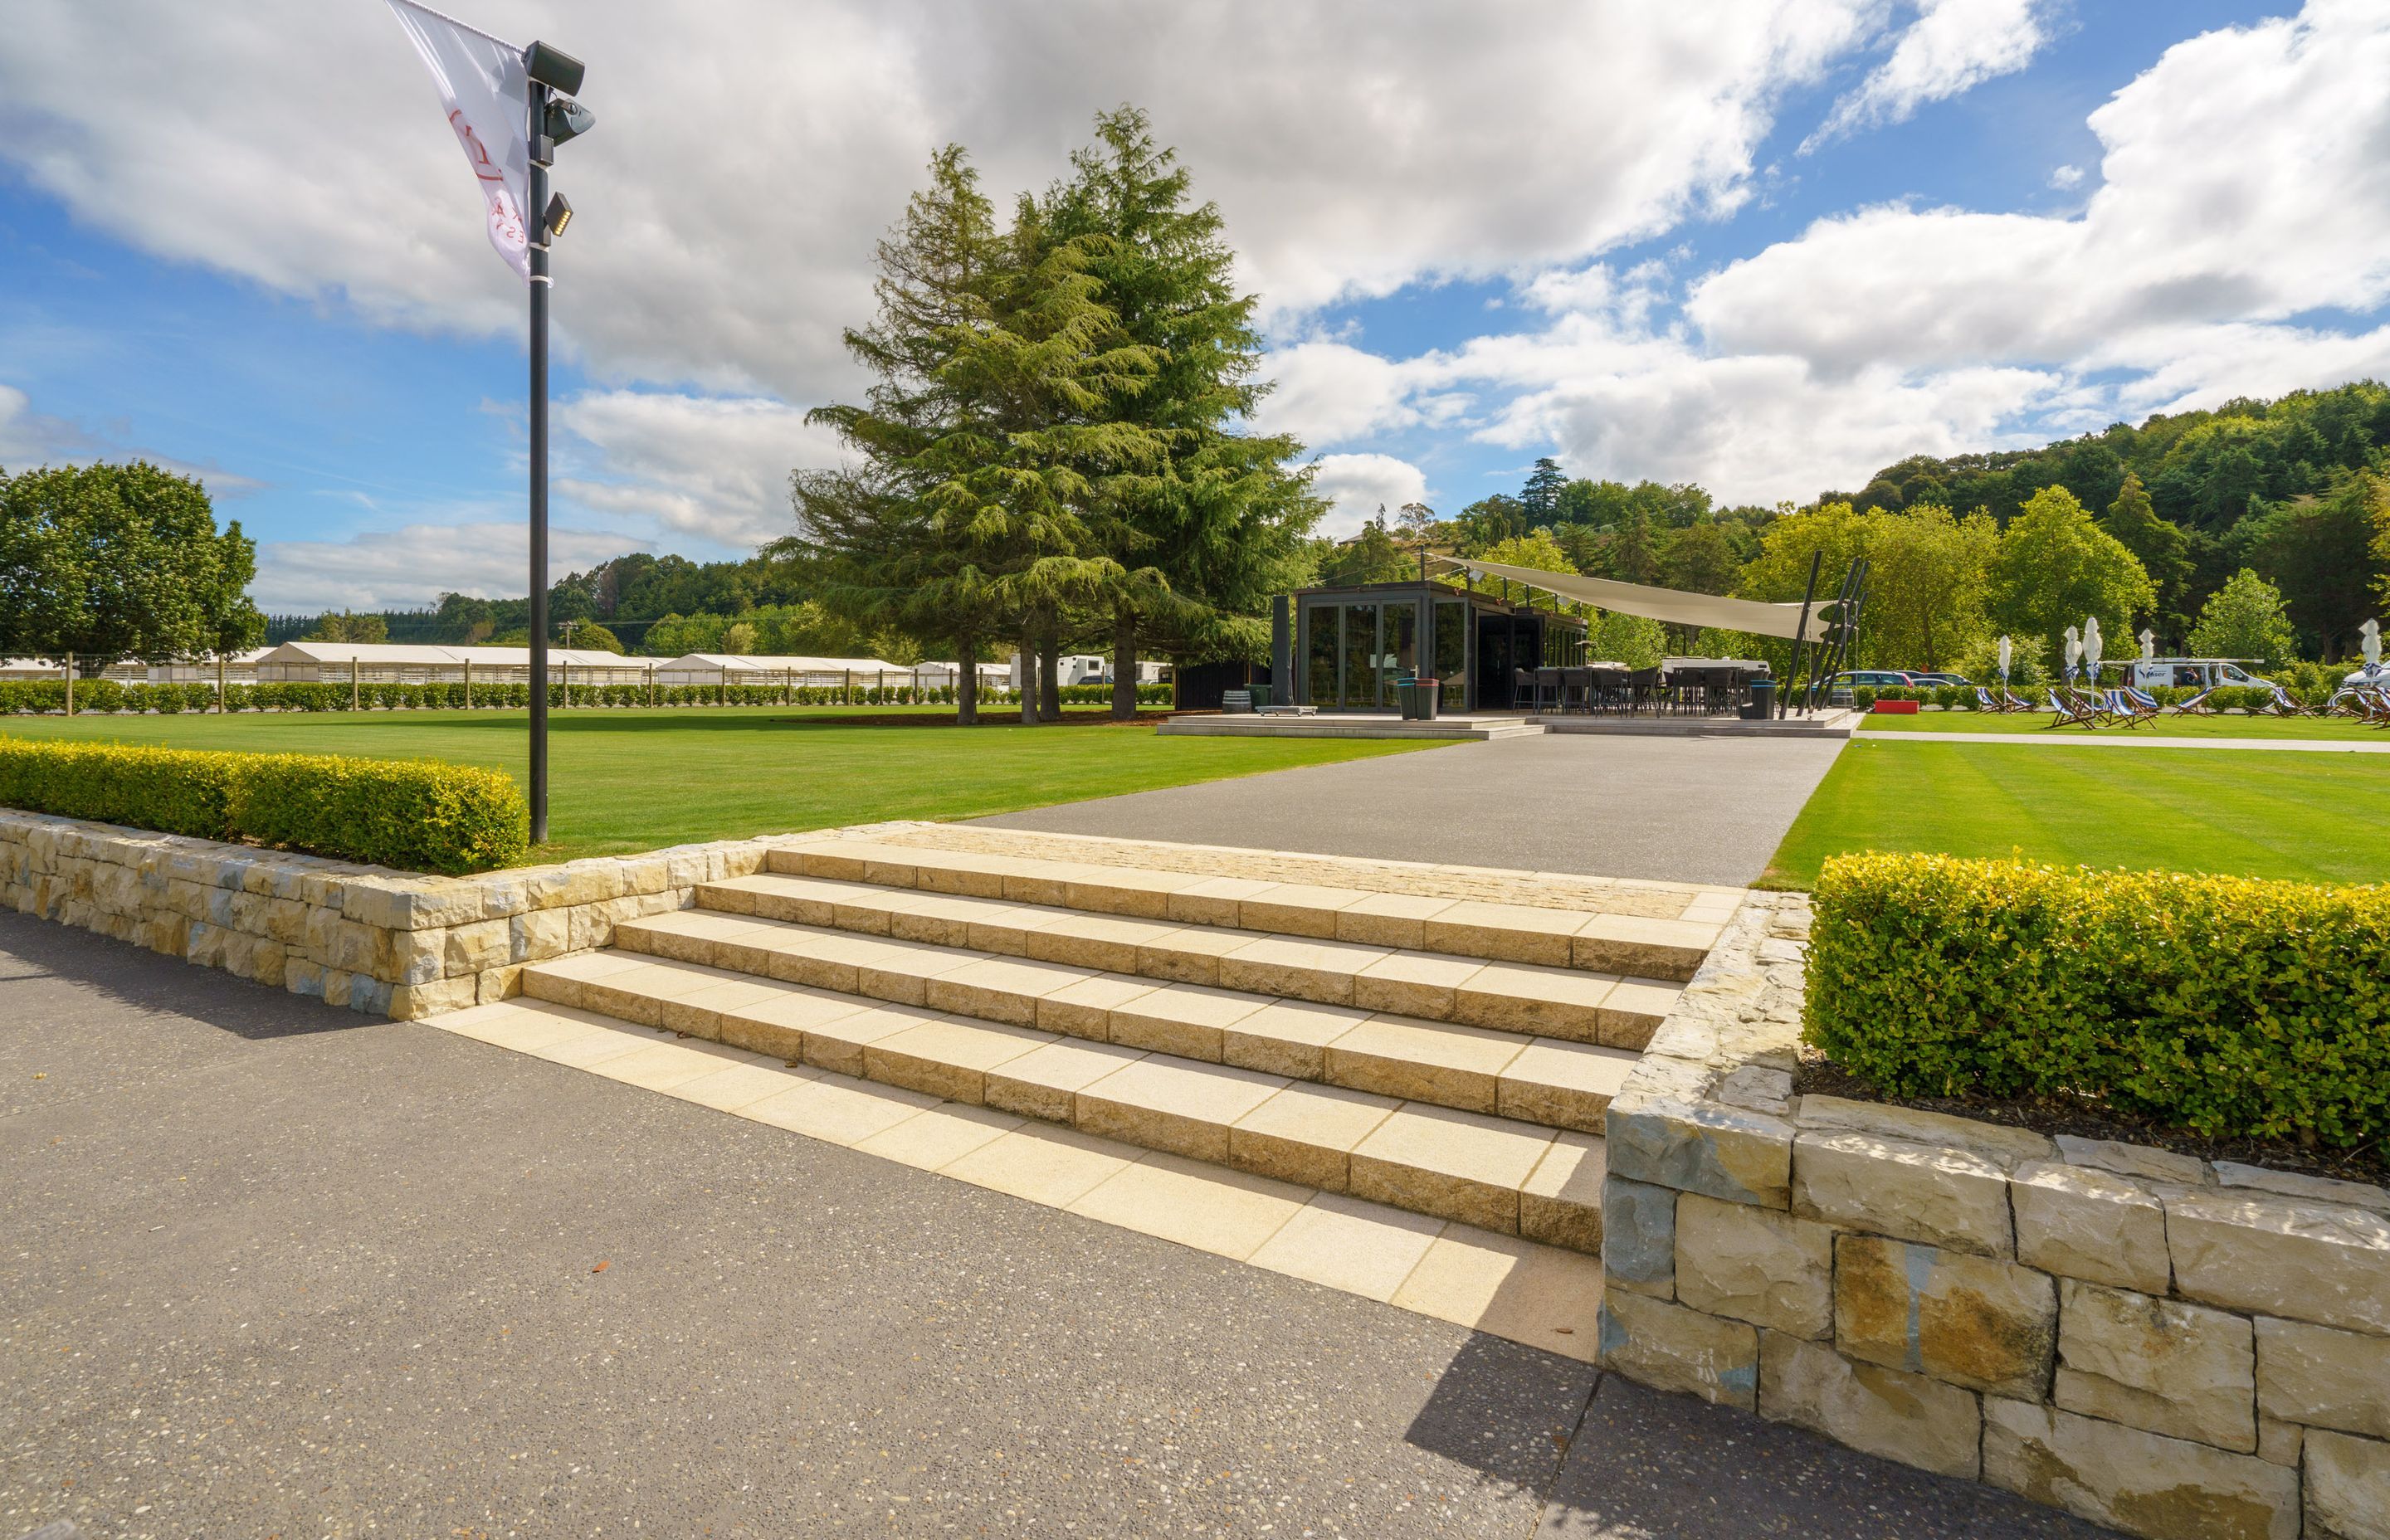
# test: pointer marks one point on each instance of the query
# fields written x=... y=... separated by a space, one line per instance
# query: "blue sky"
x=1646 y=246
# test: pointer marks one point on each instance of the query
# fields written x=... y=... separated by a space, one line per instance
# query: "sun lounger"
x=2131 y=709
x=2068 y=710
x=2282 y=705
x=2196 y=706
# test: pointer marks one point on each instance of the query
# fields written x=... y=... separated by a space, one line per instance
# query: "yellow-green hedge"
x=417 y=815
x=2227 y=1006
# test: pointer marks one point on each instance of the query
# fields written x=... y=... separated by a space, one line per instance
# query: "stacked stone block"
x=2179 y=1349
x=385 y=942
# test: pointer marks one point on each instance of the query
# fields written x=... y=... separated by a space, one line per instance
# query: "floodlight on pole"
x=552 y=76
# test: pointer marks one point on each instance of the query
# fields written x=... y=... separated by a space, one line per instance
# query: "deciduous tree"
x=2244 y=619
x=2055 y=567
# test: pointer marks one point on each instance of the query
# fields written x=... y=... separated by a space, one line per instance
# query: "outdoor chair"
x=1549 y=682
x=1984 y=702
x=2131 y=709
x=2282 y=705
x=2196 y=705
x=2070 y=711
x=1643 y=689
x=1576 y=684
x=2015 y=702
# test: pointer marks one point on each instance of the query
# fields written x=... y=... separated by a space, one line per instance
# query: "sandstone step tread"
x=1523 y=1291
x=1486 y=1171
x=1612 y=941
x=1570 y=1002
x=1553 y=1080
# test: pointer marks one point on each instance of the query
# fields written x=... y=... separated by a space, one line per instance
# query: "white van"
x=2197 y=673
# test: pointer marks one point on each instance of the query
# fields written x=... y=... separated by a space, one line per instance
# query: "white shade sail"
x=1674 y=606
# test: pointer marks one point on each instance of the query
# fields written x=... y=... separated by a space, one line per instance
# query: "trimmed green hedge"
x=2227 y=1006
x=34 y=696
x=414 y=815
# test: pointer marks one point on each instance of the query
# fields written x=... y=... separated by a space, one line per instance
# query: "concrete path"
x=273 y=1268
x=1670 y=809
x=2122 y=739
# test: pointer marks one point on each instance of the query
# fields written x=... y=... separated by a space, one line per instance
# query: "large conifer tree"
x=1205 y=535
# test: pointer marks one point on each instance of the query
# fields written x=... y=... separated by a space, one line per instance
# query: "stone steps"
x=1544 y=1296
x=1359 y=1127
x=1641 y=945
x=779 y=926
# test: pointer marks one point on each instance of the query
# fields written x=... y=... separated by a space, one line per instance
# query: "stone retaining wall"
x=386 y=943
x=2175 y=1348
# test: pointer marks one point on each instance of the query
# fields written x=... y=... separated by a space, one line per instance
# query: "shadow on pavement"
x=1505 y=1411
x=1649 y=1464
x=34 y=950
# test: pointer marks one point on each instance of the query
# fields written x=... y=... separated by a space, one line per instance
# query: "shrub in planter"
x=1862 y=698
x=2231 y=1006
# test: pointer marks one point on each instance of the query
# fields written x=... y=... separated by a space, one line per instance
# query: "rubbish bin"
x=1762 y=704
x=1416 y=698
x=1261 y=694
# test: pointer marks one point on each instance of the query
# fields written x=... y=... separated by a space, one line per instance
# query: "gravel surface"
x=270 y=1269
x=1670 y=809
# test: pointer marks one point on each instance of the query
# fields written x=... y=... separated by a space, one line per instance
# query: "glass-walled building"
x=1352 y=644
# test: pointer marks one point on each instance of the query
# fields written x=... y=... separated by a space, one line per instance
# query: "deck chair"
x=2196 y=705
x=2131 y=708
x=2069 y=711
x=2282 y=705
x=2015 y=702
x=1984 y=702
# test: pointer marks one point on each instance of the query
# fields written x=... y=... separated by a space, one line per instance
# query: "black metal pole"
x=1800 y=635
x=535 y=218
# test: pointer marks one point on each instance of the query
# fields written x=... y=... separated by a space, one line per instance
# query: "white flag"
x=483 y=84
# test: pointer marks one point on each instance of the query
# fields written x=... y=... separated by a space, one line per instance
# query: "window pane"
x=1321 y=621
x=1360 y=655
x=1402 y=648
x=1451 y=645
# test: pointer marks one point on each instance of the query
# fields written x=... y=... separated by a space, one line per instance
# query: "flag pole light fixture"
x=509 y=108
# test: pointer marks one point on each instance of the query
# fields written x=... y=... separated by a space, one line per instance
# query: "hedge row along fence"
x=417 y=815
x=2230 y=1007
x=22 y=697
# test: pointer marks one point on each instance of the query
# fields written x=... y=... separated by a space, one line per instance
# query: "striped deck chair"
x=2282 y=705
x=2015 y=702
x=2070 y=711
x=1984 y=702
x=2196 y=705
x=2131 y=708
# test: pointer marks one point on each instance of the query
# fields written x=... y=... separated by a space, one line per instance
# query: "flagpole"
x=536 y=228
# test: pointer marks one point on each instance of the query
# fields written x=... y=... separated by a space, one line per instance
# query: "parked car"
x=1940 y=679
x=1874 y=679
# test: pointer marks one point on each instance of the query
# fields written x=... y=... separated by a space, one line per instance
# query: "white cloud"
x=2246 y=177
x=28 y=439
x=1356 y=485
x=1952 y=47
x=378 y=569
x=747 y=153
x=716 y=466
x=2066 y=178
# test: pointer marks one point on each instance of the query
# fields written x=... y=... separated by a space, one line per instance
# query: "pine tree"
x=1541 y=496
x=1204 y=522
x=2163 y=550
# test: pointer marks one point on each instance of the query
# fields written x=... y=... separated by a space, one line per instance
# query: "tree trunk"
x=1124 y=663
x=1049 y=675
x=967 y=682
x=1029 y=675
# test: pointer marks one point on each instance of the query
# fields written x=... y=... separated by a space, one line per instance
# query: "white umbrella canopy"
x=2148 y=645
x=2006 y=651
x=2074 y=651
x=2370 y=646
x=2092 y=649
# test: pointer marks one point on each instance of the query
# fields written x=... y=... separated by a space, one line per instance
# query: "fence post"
x=652 y=686
x=355 y=690
x=220 y=684
x=847 y=699
x=722 y=686
x=469 y=684
x=70 y=683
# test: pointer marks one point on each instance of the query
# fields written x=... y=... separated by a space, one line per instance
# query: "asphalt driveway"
x=1671 y=809
x=270 y=1269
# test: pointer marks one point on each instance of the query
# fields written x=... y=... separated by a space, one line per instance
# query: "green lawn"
x=632 y=780
x=2321 y=817
x=2037 y=724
